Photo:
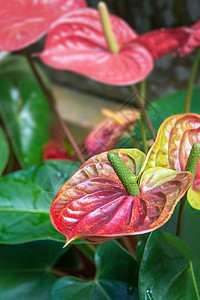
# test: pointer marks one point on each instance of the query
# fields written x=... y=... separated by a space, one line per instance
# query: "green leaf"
x=4 y=150
x=25 y=270
x=167 y=106
x=27 y=118
x=116 y=278
x=169 y=269
x=25 y=199
x=16 y=67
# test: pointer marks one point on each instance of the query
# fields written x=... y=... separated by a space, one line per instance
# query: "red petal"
x=163 y=41
x=53 y=150
x=193 y=40
x=93 y=204
x=24 y=22
x=77 y=43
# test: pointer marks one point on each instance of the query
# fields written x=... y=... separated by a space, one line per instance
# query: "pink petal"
x=77 y=43
x=24 y=22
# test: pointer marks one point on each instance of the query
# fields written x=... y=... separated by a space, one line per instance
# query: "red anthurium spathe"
x=108 y=132
x=24 y=22
x=54 y=150
x=164 y=41
x=77 y=43
x=172 y=147
x=193 y=40
x=94 y=205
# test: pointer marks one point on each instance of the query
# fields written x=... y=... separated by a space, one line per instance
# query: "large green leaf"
x=169 y=269
x=116 y=278
x=27 y=118
x=25 y=199
x=15 y=67
x=25 y=270
x=167 y=106
x=4 y=150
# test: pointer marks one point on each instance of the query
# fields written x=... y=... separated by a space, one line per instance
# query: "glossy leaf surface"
x=27 y=118
x=25 y=200
x=169 y=269
x=108 y=132
x=164 y=41
x=25 y=270
x=4 y=150
x=94 y=205
x=173 y=145
x=193 y=40
x=77 y=43
x=24 y=22
x=115 y=278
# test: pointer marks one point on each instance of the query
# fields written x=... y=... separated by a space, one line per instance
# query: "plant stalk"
x=143 y=129
x=191 y=82
x=53 y=107
x=107 y=28
x=180 y=216
x=128 y=246
x=143 y=110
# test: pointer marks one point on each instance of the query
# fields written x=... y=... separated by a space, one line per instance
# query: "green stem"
x=191 y=82
x=143 y=129
x=191 y=166
x=88 y=250
x=143 y=110
x=107 y=28
x=128 y=179
x=128 y=246
x=180 y=216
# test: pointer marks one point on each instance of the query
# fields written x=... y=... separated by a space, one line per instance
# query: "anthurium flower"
x=54 y=150
x=24 y=22
x=164 y=41
x=94 y=205
x=77 y=43
x=172 y=147
x=193 y=41
x=108 y=132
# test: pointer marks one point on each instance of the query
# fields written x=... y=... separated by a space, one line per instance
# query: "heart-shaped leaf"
x=115 y=278
x=169 y=269
x=24 y=22
x=94 y=205
x=26 y=270
x=77 y=43
x=4 y=150
x=164 y=41
x=172 y=147
x=27 y=117
x=108 y=132
x=25 y=199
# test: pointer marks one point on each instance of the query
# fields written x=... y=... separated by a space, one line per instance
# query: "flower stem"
x=191 y=82
x=143 y=110
x=143 y=129
x=53 y=107
x=191 y=166
x=128 y=179
x=107 y=28
x=128 y=245
x=88 y=250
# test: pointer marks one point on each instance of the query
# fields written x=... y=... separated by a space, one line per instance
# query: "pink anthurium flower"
x=172 y=147
x=24 y=22
x=164 y=41
x=193 y=40
x=77 y=43
x=94 y=205
x=108 y=132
